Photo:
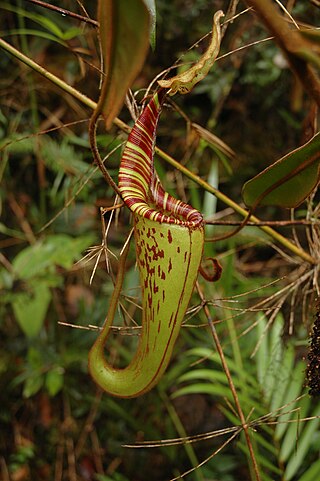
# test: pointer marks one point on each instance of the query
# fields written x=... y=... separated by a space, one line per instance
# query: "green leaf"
x=32 y=385
x=204 y=388
x=67 y=249
x=124 y=36
x=62 y=157
x=312 y=473
x=54 y=380
x=71 y=33
x=151 y=6
x=290 y=440
x=58 y=156
x=35 y=359
x=209 y=200
x=45 y=22
x=30 y=308
x=37 y=33
x=288 y=181
x=282 y=378
x=11 y=232
x=293 y=391
x=34 y=259
x=303 y=444
x=57 y=249
x=274 y=359
x=263 y=353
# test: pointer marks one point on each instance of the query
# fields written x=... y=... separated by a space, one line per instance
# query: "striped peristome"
x=138 y=181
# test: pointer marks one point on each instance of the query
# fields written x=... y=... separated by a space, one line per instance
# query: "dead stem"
x=97 y=452
x=88 y=425
x=97 y=250
x=274 y=223
x=72 y=470
x=270 y=418
x=185 y=440
x=58 y=467
x=24 y=224
x=4 y=470
x=220 y=448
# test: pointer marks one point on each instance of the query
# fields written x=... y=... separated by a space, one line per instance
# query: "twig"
x=58 y=467
x=72 y=470
x=212 y=455
x=95 y=150
x=277 y=223
x=64 y=12
x=97 y=452
x=87 y=429
x=25 y=226
x=4 y=470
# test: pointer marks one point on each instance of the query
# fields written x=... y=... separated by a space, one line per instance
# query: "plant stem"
x=277 y=223
x=124 y=127
x=95 y=150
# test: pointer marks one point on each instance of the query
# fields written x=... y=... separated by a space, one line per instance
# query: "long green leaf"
x=262 y=354
x=264 y=462
x=274 y=359
x=312 y=473
x=291 y=439
x=303 y=444
x=293 y=391
x=151 y=6
x=288 y=181
x=37 y=33
x=283 y=380
x=124 y=38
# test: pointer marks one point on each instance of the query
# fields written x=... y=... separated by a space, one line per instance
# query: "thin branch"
x=96 y=153
x=25 y=226
x=212 y=455
x=64 y=12
x=276 y=223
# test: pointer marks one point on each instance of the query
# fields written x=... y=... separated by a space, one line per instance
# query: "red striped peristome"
x=138 y=181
